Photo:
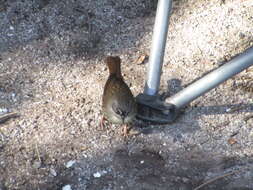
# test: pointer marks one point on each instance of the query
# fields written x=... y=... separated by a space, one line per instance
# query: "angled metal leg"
x=158 y=47
x=149 y=101
x=213 y=79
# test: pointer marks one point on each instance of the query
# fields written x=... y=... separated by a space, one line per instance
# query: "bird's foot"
x=102 y=123
x=125 y=131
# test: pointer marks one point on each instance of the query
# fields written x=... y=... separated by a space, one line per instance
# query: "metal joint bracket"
x=151 y=108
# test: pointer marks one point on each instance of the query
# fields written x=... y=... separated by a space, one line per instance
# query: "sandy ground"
x=52 y=73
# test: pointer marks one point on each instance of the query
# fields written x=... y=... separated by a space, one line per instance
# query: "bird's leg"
x=102 y=123
x=125 y=130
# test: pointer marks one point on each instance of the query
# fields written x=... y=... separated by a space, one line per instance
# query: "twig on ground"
x=248 y=117
x=6 y=117
x=37 y=151
x=216 y=178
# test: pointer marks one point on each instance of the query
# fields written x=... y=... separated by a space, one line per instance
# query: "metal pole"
x=213 y=79
x=158 y=46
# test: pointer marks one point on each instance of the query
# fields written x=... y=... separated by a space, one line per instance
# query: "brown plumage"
x=118 y=104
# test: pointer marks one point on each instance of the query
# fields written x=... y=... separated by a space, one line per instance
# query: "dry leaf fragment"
x=232 y=141
x=142 y=59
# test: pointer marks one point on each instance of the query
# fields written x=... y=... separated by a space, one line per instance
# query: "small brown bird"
x=118 y=104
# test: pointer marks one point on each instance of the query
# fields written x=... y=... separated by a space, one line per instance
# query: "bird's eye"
x=118 y=111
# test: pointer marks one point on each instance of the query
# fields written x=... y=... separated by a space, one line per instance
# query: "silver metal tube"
x=213 y=79
x=158 y=46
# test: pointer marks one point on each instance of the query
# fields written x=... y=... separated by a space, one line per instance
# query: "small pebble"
x=97 y=175
x=37 y=164
x=3 y=110
x=13 y=96
x=242 y=35
x=70 y=163
x=185 y=180
x=53 y=172
x=66 y=187
x=228 y=110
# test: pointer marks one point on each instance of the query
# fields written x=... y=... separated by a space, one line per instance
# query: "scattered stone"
x=53 y=172
x=37 y=164
x=3 y=110
x=185 y=179
x=66 y=187
x=97 y=175
x=70 y=163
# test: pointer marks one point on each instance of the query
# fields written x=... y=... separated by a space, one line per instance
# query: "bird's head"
x=113 y=63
